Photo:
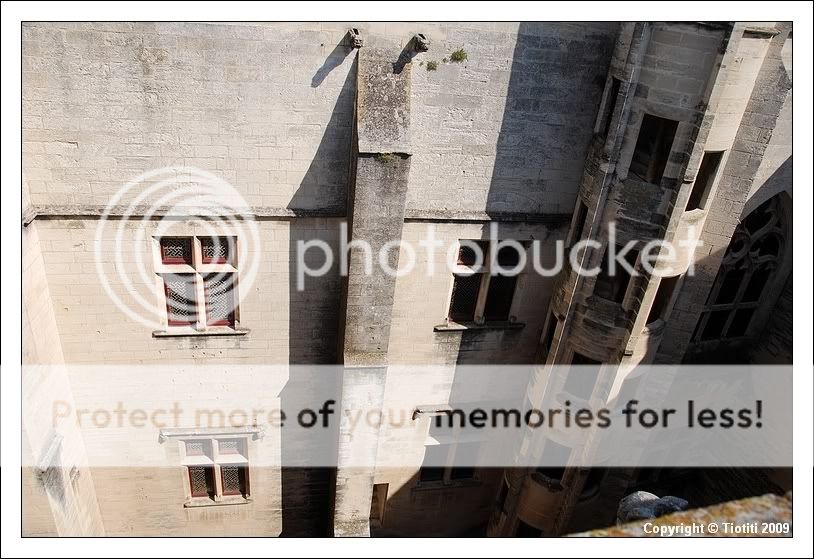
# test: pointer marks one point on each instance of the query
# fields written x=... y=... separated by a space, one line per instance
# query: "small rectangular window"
x=229 y=446
x=218 y=474
x=614 y=286
x=176 y=250
x=662 y=299
x=233 y=478
x=653 y=147
x=180 y=293
x=197 y=448
x=465 y=291
x=497 y=276
x=217 y=250
x=220 y=303
x=704 y=180
x=499 y=297
x=201 y=481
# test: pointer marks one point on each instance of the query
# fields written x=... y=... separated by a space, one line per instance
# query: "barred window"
x=217 y=250
x=484 y=283
x=233 y=480
x=176 y=250
x=216 y=468
x=201 y=481
x=199 y=277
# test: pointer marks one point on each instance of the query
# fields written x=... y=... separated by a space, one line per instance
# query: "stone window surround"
x=711 y=189
x=198 y=268
x=213 y=458
x=479 y=323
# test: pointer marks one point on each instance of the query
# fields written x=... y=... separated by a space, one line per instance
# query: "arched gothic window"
x=751 y=262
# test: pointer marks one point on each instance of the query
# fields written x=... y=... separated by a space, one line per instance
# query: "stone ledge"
x=477 y=216
x=82 y=211
x=462 y=326
x=207 y=502
x=190 y=332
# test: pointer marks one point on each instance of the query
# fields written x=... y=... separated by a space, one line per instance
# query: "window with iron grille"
x=176 y=250
x=217 y=250
x=484 y=283
x=217 y=468
x=199 y=281
x=201 y=481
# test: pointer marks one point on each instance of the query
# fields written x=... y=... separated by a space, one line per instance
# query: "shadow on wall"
x=314 y=311
x=554 y=92
x=334 y=60
x=543 y=122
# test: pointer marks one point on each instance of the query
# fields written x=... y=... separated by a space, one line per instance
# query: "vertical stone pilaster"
x=376 y=210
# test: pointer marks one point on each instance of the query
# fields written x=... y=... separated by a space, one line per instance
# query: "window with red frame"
x=180 y=294
x=233 y=479
x=220 y=303
x=217 y=250
x=204 y=295
x=201 y=481
x=176 y=250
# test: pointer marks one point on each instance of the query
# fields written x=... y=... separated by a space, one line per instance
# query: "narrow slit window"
x=610 y=106
x=664 y=294
x=704 y=180
x=579 y=224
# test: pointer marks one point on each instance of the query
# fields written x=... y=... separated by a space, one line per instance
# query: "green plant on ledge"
x=385 y=157
x=458 y=56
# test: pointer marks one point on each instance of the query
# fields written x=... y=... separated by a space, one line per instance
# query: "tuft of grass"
x=432 y=65
x=385 y=157
x=445 y=60
x=458 y=56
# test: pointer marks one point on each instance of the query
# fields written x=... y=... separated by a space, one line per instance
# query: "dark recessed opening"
x=663 y=295
x=704 y=179
x=653 y=148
